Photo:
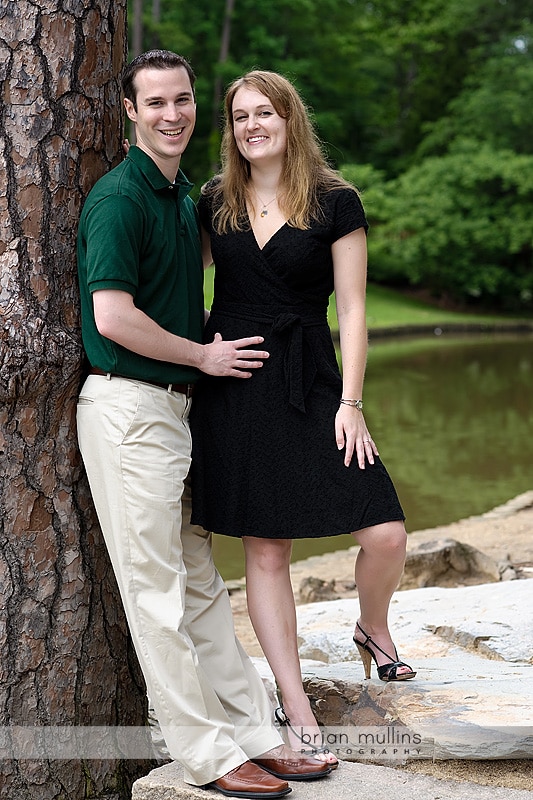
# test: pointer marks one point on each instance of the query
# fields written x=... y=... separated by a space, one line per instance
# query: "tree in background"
x=65 y=655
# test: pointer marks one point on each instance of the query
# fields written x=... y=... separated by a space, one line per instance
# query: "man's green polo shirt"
x=139 y=234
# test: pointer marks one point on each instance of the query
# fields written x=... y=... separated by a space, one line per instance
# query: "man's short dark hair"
x=153 y=59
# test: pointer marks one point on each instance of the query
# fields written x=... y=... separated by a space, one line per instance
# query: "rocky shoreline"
x=491 y=547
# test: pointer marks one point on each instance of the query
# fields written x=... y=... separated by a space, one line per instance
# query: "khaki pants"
x=209 y=699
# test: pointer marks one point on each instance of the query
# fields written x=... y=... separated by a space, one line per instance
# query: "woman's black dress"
x=265 y=461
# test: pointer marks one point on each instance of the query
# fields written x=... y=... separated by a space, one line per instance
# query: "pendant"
x=263 y=213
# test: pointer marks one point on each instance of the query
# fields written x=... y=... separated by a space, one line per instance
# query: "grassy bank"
x=389 y=310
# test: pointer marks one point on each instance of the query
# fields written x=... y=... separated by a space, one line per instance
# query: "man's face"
x=165 y=115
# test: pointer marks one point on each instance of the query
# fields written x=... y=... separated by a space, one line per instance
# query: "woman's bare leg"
x=378 y=569
x=272 y=611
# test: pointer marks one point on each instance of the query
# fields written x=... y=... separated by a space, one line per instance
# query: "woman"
x=287 y=454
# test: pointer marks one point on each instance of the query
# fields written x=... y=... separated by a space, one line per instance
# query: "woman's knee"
x=267 y=554
x=389 y=538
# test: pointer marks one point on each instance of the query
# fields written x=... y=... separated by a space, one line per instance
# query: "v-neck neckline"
x=269 y=239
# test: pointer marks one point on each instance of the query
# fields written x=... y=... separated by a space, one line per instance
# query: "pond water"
x=453 y=420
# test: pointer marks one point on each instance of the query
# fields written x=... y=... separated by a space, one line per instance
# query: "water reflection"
x=453 y=419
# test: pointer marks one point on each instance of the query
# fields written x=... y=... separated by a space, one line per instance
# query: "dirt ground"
x=505 y=533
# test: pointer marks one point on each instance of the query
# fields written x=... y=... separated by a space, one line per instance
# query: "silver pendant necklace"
x=264 y=210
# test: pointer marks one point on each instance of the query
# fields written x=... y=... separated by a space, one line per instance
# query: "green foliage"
x=459 y=224
x=495 y=103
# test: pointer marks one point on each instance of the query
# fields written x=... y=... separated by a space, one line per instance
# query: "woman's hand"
x=352 y=434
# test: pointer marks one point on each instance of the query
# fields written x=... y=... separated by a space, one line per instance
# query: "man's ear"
x=130 y=110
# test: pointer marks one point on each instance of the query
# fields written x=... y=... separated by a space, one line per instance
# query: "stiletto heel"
x=366 y=658
x=386 y=672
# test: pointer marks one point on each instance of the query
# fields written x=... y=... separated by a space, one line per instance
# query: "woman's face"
x=260 y=133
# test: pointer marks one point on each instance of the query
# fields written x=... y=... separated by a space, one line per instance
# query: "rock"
x=349 y=781
x=481 y=714
x=483 y=619
x=473 y=693
x=313 y=590
x=446 y=562
x=507 y=571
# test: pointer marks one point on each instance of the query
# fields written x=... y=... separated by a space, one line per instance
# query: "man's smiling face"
x=164 y=115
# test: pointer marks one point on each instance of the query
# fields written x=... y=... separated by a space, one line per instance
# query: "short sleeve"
x=113 y=250
x=346 y=212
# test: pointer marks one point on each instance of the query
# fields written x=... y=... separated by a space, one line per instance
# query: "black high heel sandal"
x=386 y=672
x=284 y=722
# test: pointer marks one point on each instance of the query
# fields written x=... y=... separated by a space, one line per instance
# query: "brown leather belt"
x=183 y=388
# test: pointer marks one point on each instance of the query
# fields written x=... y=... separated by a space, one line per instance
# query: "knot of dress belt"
x=290 y=326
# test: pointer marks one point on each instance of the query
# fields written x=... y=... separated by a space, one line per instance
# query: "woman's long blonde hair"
x=305 y=171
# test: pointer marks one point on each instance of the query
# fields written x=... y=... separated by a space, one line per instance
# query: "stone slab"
x=495 y=620
x=472 y=647
x=485 y=712
x=350 y=781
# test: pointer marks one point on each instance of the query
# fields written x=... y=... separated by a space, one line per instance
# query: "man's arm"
x=117 y=318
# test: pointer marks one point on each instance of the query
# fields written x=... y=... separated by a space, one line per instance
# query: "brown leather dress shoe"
x=249 y=780
x=294 y=769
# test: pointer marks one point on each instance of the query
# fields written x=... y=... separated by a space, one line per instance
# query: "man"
x=142 y=317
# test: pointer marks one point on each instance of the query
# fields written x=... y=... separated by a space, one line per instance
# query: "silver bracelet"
x=354 y=403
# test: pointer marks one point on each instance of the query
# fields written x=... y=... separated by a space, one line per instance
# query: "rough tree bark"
x=65 y=656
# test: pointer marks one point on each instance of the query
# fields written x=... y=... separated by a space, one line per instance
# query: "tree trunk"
x=65 y=657
x=217 y=91
x=156 y=21
x=137 y=28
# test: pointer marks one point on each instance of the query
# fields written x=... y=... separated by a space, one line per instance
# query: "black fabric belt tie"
x=299 y=374
x=184 y=388
x=299 y=365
